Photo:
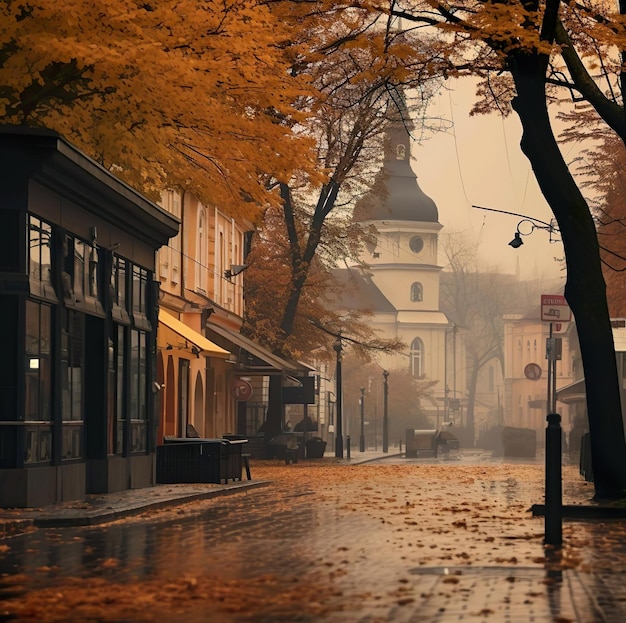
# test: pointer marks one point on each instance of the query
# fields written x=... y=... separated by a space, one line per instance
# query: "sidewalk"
x=102 y=508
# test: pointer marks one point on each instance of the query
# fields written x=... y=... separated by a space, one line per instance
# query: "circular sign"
x=532 y=371
x=242 y=389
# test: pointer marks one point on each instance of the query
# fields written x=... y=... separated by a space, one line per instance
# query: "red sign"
x=242 y=389
x=554 y=308
x=532 y=371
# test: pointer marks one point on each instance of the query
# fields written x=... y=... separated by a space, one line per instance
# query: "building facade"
x=79 y=301
x=397 y=279
x=211 y=377
x=526 y=371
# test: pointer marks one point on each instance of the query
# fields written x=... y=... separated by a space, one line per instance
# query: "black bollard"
x=554 y=498
x=348 y=447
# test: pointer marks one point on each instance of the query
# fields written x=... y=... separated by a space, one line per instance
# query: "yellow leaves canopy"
x=173 y=93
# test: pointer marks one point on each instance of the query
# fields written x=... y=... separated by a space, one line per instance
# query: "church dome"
x=395 y=194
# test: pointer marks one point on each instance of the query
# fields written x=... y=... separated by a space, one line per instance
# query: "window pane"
x=120 y=372
x=32 y=361
x=71 y=366
x=72 y=441
x=138 y=392
x=79 y=269
x=38 y=444
x=38 y=390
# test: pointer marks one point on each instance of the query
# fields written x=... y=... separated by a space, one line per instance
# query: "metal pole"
x=362 y=437
x=553 y=515
x=339 y=427
x=385 y=414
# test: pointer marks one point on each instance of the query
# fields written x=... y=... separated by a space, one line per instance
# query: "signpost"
x=554 y=309
x=242 y=389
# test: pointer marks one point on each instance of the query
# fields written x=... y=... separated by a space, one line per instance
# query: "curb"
x=570 y=511
x=70 y=518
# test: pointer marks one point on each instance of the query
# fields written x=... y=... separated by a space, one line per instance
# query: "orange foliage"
x=173 y=93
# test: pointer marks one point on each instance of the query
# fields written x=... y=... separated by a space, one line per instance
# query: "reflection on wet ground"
x=392 y=542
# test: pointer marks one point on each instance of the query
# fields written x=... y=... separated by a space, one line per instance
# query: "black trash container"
x=315 y=448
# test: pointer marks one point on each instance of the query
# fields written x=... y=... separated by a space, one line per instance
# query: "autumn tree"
x=354 y=63
x=408 y=399
x=168 y=94
x=528 y=54
x=603 y=169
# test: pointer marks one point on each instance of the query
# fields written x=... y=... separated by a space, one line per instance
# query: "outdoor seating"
x=196 y=459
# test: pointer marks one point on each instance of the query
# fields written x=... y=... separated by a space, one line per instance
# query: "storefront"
x=77 y=252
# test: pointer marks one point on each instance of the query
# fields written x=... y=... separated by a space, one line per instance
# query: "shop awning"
x=574 y=392
x=175 y=330
x=252 y=357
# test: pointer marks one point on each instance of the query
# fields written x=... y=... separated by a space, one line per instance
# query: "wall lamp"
x=517 y=242
x=528 y=223
x=196 y=351
x=527 y=226
x=234 y=270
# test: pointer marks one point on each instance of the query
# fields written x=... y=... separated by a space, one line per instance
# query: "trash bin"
x=315 y=448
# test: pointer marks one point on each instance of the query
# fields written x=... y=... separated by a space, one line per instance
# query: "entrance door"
x=183 y=396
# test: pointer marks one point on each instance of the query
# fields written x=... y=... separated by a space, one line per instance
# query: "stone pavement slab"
x=102 y=508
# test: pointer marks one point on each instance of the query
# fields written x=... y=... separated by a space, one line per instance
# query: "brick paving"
x=400 y=544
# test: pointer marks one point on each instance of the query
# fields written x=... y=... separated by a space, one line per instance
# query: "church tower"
x=402 y=269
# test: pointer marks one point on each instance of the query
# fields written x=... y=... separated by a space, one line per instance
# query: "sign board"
x=533 y=371
x=303 y=394
x=242 y=389
x=554 y=308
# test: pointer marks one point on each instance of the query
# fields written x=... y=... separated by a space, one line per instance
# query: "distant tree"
x=476 y=300
x=408 y=397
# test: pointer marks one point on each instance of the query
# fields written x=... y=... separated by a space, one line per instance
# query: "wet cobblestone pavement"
x=407 y=542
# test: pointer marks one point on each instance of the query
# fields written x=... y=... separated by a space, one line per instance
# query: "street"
x=328 y=541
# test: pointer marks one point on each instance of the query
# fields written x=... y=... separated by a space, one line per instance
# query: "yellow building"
x=197 y=282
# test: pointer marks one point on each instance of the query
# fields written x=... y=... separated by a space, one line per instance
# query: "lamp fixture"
x=196 y=351
x=517 y=241
x=531 y=223
x=234 y=270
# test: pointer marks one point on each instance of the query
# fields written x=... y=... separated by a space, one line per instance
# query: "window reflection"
x=39 y=257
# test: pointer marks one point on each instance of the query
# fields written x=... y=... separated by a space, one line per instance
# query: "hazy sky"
x=479 y=162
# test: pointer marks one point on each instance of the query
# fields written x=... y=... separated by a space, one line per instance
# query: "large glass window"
x=80 y=275
x=140 y=290
x=38 y=377
x=118 y=282
x=39 y=257
x=118 y=288
x=72 y=356
x=120 y=411
x=38 y=385
x=138 y=398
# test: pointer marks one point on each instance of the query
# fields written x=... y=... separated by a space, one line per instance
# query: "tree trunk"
x=471 y=399
x=585 y=288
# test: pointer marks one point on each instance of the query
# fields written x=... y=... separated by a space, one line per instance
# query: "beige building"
x=398 y=280
x=196 y=284
x=526 y=371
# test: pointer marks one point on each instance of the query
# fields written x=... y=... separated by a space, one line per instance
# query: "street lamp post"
x=385 y=418
x=362 y=437
x=338 y=402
